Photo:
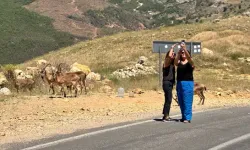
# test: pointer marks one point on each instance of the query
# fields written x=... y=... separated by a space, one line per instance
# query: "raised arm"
x=190 y=60
x=177 y=58
x=169 y=56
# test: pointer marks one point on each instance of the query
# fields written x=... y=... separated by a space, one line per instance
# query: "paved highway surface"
x=227 y=128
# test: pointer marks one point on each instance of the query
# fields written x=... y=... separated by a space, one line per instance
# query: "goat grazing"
x=198 y=90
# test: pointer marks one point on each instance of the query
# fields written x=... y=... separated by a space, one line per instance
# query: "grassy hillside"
x=25 y=34
x=229 y=39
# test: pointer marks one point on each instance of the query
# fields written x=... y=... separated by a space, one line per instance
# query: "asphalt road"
x=218 y=129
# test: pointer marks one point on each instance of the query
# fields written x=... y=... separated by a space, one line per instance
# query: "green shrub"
x=112 y=15
x=151 y=6
x=116 y=1
x=235 y=56
x=25 y=34
x=24 y=2
x=109 y=31
x=9 y=67
x=75 y=17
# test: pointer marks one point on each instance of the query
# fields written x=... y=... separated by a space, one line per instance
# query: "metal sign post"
x=160 y=67
x=164 y=46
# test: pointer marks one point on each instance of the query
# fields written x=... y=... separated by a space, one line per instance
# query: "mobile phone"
x=182 y=42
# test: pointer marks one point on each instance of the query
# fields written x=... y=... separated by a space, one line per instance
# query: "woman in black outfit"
x=168 y=82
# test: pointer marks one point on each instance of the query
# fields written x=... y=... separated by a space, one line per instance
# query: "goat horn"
x=60 y=64
x=46 y=66
x=59 y=68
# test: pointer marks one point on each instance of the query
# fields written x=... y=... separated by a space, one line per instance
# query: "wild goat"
x=83 y=77
x=70 y=79
x=198 y=90
x=56 y=77
x=81 y=74
x=20 y=83
x=48 y=74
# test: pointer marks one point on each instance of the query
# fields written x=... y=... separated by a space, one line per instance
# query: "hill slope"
x=96 y=18
x=228 y=40
x=25 y=35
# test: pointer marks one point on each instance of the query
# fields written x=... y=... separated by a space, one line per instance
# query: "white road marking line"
x=83 y=135
x=231 y=142
x=53 y=143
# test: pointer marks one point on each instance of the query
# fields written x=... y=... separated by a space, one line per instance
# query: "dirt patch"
x=40 y=116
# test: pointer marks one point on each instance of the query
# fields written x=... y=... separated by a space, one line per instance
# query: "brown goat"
x=56 y=77
x=82 y=83
x=198 y=90
x=22 y=83
x=47 y=73
x=70 y=80
x=81 y=74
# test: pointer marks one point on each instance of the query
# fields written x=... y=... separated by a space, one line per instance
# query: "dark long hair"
x=186 y=56
x=172 y=61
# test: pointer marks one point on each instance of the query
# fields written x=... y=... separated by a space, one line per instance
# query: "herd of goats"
x=68 y=81
x=54 y=77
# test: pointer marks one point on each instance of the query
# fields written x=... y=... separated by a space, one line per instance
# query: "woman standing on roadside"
x=185 y=82
x=168 y=82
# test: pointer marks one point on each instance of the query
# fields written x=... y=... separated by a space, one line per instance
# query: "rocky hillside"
x=95 y=18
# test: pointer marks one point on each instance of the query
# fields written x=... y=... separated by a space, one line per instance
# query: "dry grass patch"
x=239 y=39
x=233 y=1
x=219 y=78
x=205 y=36
x=230 y=32
x=219 y=45
x=228 y=43
x=149 y=82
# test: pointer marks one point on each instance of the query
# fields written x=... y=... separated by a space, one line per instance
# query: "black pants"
x=167 y=88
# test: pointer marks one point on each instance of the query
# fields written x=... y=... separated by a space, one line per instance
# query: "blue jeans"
x=185 y=93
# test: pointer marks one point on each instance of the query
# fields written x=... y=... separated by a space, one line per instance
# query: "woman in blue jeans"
x=185 y=82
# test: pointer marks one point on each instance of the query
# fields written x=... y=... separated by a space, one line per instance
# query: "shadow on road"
x=171 y=120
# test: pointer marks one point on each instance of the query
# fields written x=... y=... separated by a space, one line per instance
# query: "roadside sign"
x=164 y=46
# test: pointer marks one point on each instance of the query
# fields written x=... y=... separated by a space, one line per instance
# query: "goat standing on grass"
x=198 y=90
